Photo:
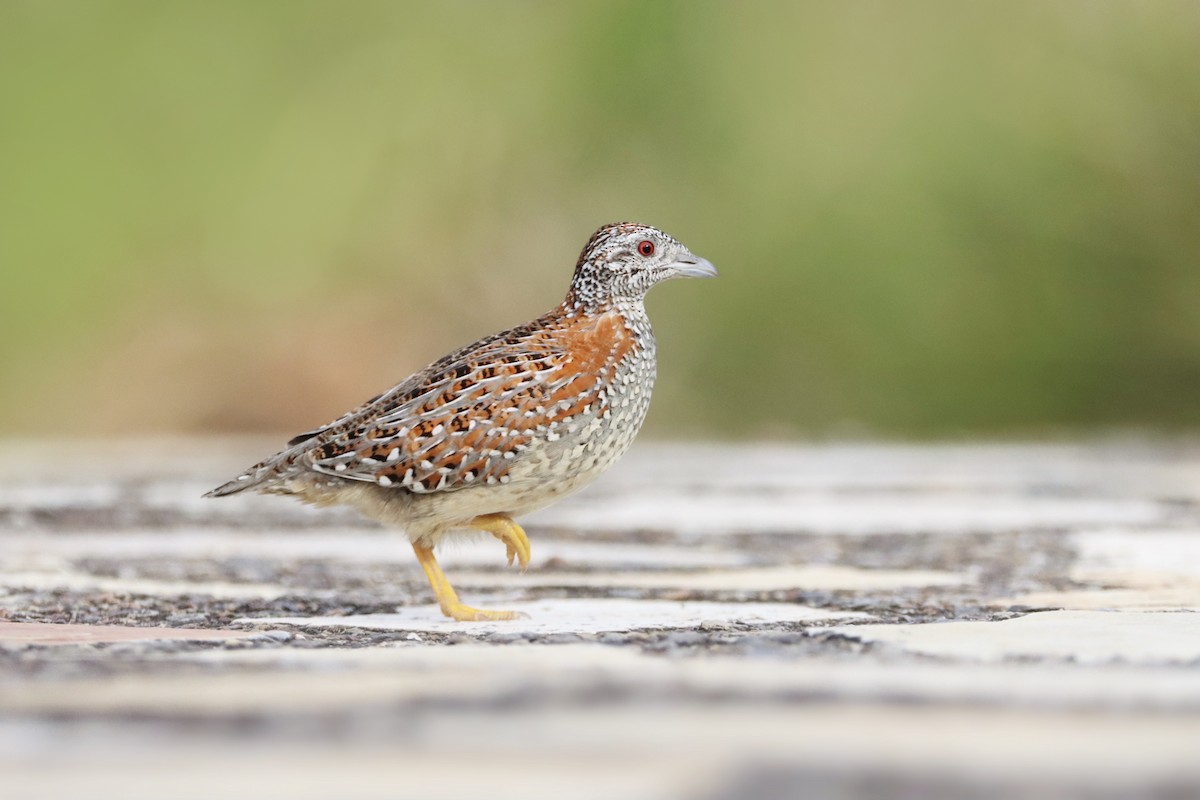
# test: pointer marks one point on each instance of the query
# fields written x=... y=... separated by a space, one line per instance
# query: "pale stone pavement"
x=707 y=622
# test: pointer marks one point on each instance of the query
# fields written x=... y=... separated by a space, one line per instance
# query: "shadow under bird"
x=501 y=427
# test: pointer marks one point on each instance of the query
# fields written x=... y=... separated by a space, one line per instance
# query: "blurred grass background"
x=931 y=218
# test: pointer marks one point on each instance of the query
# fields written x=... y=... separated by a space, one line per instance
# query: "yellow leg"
x=503 y=528
x=446 y=596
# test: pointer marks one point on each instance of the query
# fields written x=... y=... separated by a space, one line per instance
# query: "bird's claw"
x=516 y=543
x=516 y=548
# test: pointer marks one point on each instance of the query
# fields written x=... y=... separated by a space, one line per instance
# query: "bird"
x=501 y=427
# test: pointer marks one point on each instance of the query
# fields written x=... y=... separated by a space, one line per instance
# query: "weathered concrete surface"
x=850 y=621
x=48 y=633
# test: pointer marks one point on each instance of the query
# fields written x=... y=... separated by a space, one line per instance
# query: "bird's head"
x=623 y=260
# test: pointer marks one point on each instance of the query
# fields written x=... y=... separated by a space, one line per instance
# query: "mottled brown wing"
x=467 y=421
x=469 y=417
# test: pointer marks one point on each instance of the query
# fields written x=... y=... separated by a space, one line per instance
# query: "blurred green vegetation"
x=930 y=218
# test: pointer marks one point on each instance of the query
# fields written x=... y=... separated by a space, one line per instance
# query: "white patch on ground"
x=347 y=545
x=66 y=578
x=1164 y=552
x=1120 y=468
x=1089 y=637
x=191 y=542
x=26 y=496
x=1135 y=570
x=484 y=551
x=577 y=616
x=1154 y=595
x=720 y=512
x=767 y=579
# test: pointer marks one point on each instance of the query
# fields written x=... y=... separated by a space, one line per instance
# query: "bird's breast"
x=599 y=400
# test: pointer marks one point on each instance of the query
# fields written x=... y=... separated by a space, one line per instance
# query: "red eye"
x=646 y=247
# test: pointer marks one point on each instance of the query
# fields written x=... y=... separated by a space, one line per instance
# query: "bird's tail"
x=238 y=484
x=253 y=478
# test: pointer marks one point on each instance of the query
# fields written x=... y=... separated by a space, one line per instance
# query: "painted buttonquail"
x=503 y=426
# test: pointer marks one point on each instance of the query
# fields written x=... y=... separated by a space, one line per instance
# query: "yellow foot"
x=503 y=528
x=464 y=613
x=446 y=596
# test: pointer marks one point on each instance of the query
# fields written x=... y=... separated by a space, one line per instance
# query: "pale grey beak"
x=691 y=266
